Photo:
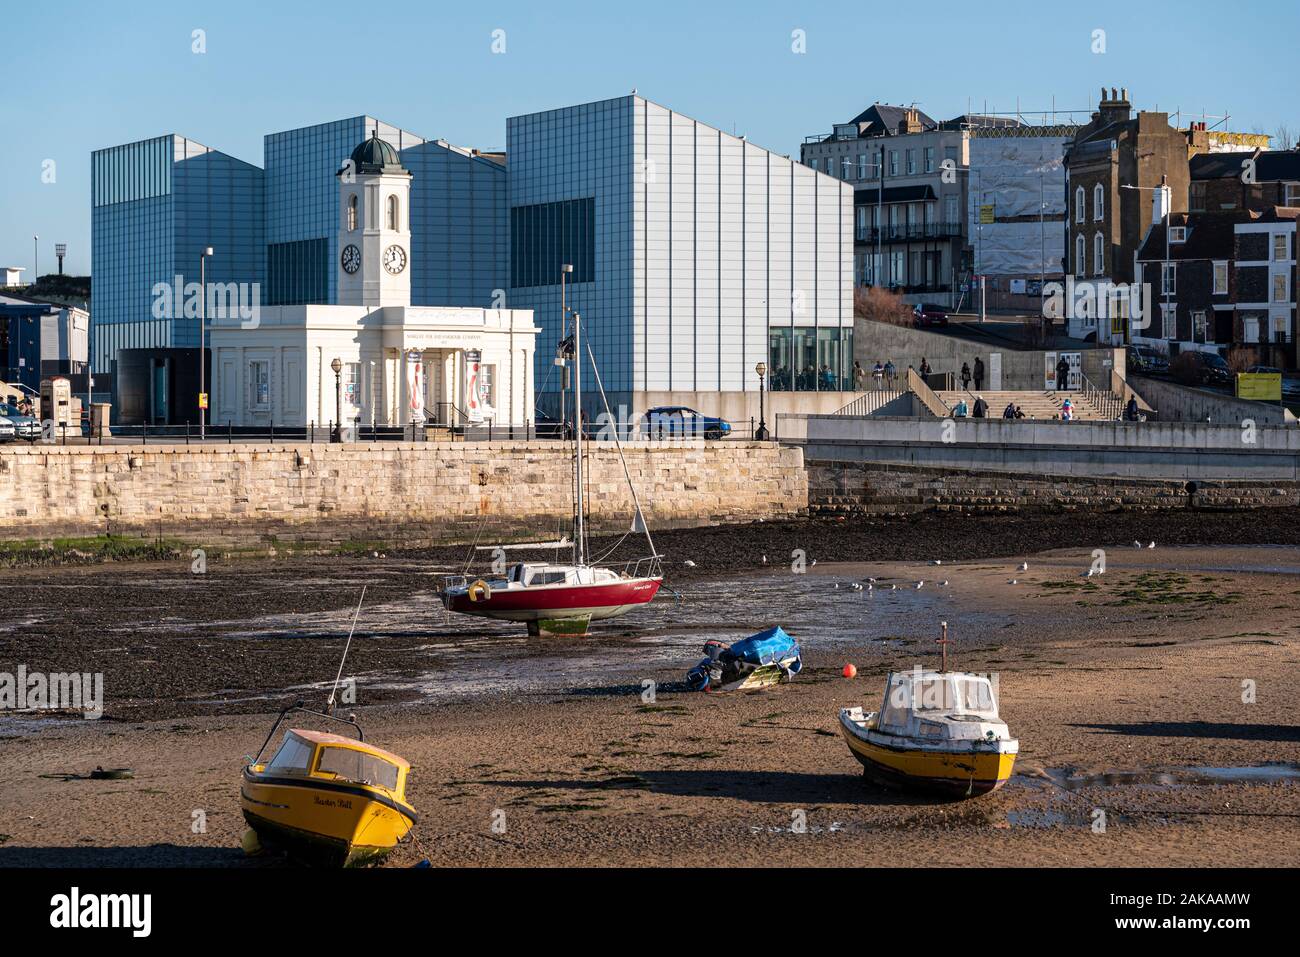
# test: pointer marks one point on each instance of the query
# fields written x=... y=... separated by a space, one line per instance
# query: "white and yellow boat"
x=936 y=731
x=327 y=799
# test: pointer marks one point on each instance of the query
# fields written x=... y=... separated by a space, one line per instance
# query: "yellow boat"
x=936 y=731
x=327 y=799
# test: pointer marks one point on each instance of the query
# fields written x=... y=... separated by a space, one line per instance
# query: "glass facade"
x=544 y=237
x=807 y=359
x=705 y=246
x=155 y=205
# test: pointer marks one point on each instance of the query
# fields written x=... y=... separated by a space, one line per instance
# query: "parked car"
x=1147 y=360
x=8 y=431
x=928 y=314
x=671 y=421
x=25 y=426
x=1202 y=368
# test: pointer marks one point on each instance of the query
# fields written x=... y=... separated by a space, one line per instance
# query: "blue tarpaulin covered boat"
x=753 y=662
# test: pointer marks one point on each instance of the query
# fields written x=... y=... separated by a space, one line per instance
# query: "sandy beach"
x=1125 y=689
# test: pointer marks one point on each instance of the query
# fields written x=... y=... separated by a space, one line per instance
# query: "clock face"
x=394 y=259
x=351 y=258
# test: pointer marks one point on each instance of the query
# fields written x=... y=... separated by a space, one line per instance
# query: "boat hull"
x=324 y=823
x=558 y=603
x=954 y=773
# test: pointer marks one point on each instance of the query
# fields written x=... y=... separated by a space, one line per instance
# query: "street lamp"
x=761 y=434
x=336 y=435
x=203 y=321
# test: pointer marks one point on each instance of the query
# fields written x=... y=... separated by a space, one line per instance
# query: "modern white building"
x=398 y=363
x=696 y=255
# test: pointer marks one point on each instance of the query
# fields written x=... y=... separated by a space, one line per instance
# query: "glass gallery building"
x=696 y=254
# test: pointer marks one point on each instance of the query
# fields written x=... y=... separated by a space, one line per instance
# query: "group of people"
x=883 y=375
x=977 y=375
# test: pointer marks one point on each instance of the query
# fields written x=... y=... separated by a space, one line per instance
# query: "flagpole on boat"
x=581 y=539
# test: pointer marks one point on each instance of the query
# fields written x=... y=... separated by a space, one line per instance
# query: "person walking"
x=979 y=373
x=925 y=367
x=965 y=377
x=1010 y=411
x=1062 y=375
x=961 y=410
x=859 y=376
x=981 y=410
x=878 y=374
x=891 y=373
x=1131 y=410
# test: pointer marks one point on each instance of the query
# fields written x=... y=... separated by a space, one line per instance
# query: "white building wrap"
x=1018 y=176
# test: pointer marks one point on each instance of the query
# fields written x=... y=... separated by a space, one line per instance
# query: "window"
x=846 y=168
x=352 y=384
x=259 y=385
x=359 y=767
x=1198 y=325
x=812 y=164
x=1279 y=247
x=1098 y=255
x=929 y=159
x=1196 y=197
x=394 y=214
x=546 y=235
x=861 y=216
x=1220 y=279
x=893 y=162
x=1293 y=194
x=1080 y=255
x=1098 y=203
x=1166 y=321
x=352 y=212
x=1279 y=288
x=862 y=166
x=1178 y=234
x=1078 y=204
x=950 y=208
x=911 y=162
x=487 y=385
x=1168 y=278
x=294 y=756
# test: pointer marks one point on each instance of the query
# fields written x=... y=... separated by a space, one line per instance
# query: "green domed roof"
x=375 y=156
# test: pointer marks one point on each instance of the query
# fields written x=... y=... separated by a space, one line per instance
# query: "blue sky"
x=83 y=75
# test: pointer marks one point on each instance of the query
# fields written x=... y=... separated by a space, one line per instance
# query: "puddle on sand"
x=1176 y=777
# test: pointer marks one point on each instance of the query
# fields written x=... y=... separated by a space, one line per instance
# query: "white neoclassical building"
x=398 y=363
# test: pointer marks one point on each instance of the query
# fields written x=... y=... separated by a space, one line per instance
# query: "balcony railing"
x=908 y=233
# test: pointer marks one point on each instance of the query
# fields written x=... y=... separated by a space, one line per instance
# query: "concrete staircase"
x=1035 y=405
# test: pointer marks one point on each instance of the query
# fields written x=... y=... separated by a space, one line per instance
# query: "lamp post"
x=336 y=435
x=761 y=434
x=36 y=260
x=203 y=322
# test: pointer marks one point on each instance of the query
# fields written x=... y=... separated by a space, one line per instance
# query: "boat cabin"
x=533 y=574
x=939 y=705
x=317 y=754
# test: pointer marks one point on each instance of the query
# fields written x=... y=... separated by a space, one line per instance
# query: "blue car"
x=674 y=421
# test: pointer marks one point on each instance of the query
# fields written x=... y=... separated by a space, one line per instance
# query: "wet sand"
x=1125 y=691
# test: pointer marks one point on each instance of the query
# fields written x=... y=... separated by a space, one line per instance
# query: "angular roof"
x=1209 y=236
x=881 y=119
x=1270 y=165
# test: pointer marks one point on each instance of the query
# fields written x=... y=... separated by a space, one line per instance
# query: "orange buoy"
x=850 y=671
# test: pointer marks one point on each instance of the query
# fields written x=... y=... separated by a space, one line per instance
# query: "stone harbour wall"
x=869 y=488
x=419 y=492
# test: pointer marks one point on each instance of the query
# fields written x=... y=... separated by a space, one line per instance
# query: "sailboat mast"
x=580 y=545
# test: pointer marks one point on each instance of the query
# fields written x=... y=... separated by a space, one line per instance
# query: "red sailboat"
x=563 y=599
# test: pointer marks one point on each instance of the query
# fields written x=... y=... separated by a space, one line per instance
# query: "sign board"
x=995 y=371
x=477 y=408
x=203 y=400
x=986 y=215
x=1264 y=386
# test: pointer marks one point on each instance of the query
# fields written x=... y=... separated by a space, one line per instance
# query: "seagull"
x=837 y=584
x=944 y=583
x=814 y=561
x=919 y=584
x=869 y=579
x=688 y=563
x=1137 y=544
x=857 y=587
x=1013 y=582
x=893 y=588
x=1152 y=545
x=764 y=559
x=1024 y=566
x=937 y=561
x=1088 y=574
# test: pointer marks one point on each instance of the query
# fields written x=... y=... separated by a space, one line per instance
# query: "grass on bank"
x=87 y=551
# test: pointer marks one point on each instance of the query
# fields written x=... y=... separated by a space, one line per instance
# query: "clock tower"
x=374 y=249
